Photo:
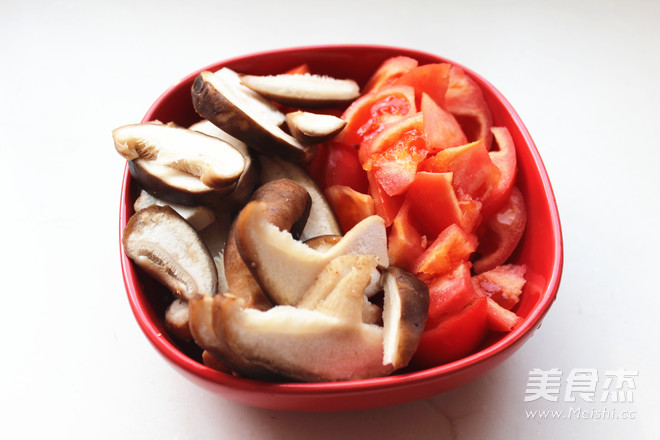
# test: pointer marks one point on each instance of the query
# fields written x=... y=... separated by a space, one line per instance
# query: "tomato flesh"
x=452 y=247
x=405 y=243
x=440 y=127
x=453 y=337
x=499 y=235
x=343 y=168
x=371 y=113
x=434 y=203
x=430 y=79
x=474 y=172
x=504 y=284
x=350 y=206
x=505 y=161
x=388 y=72
x=450 y=293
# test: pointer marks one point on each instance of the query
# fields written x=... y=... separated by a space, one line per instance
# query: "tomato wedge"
x=350 y=206
x=440 y=127
x=433 y=202
x=395 y=153
x=465 y=100
x=454 y=336
x=452 y=247
x=499 y=318
x=301 y=69
x=389 y=71
x=475 y=174
x=429 y=79
x=504 y=284
x=372 y=112
x=405 y=243
x=386 y=206
x=343 y=168
x=505 y=161
x=450 y=293
x=500 y=234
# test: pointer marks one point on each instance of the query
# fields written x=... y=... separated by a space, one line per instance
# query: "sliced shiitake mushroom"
x=300 y=343
x=303 y=90
x=313 y=128
x=177 y=320
x=405 y=310
x=203 y=333
x=165 y=245
x=286 y=268
x=288 y=206
x=216 y=163
x=248 y=180
x=344 y=280
x=214 y=237
x=222 y=99
x=321 y=220
x=198 y=216
x=174 y=186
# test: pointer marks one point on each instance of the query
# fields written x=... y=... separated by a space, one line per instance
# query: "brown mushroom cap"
x=287 y=206
x=223 y=100
x=216 y=163
x=321 y=219
x=404 y=315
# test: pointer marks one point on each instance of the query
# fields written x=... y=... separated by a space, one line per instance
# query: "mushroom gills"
x=216 y=163
x=221 y=98
x=166 y=246
x=249 y=178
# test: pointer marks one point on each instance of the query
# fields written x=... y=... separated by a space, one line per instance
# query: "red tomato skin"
x=500 y=234
x=504 y=284
x=505 y=161
x=316 y=166
x=430 y=79
x=451 y=247
x=343 y=168
x=371 y=113
x=386 y=206
x=440 y=127
x=465 y=100
x=450 y=293
x=433 y=202
x=475 y=174
x=453 y=337
x=499 y=318
x=388 y=72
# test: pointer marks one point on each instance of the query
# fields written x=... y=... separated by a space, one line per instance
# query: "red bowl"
x=540 y=249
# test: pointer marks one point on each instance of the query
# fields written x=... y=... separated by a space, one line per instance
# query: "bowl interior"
x=540 y=249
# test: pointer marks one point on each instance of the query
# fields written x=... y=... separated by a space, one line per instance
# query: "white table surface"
x=583 y=75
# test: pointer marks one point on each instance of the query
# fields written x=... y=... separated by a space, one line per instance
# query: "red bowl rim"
x=529 y=325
